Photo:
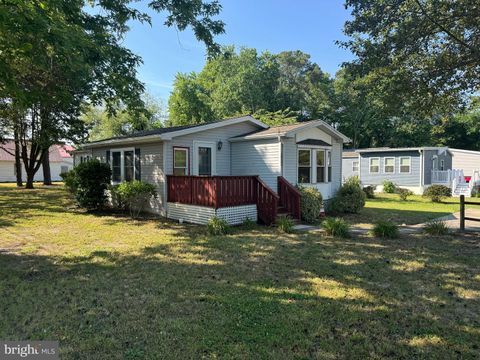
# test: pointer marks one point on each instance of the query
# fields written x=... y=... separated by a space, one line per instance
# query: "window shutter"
x=138 y=170
x=108 y=156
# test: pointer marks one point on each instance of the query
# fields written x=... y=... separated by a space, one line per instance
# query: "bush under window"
x=89 y=182
x=135 y=195
x=388 y=187
x=310 y=204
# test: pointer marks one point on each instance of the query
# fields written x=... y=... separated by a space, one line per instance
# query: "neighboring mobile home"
x=234 y=168
x=467 y=160
x=60 y=157
x=350 y=164
x=413 y=168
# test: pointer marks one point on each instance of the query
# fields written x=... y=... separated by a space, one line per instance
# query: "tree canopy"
x=57 y=55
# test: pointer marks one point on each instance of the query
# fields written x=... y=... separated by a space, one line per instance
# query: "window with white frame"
x=123 y=165
x=355 y=166
x=321 y=168
x=304 y=166
x=180 y=161
x=374 y=165
x=405 y=165
x=389 y=165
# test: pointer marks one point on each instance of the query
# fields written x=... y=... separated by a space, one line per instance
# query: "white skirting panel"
x=201 y=214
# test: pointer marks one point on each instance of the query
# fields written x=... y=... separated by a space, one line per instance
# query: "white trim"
x=122 y=162
x=320 y=147
x=214 y=125
x=400 y=164
x=187 y=156
x=385 y=164
x=210 y=144
x=464 y=151
x=325 y=167
x=422 y=169
x=308 y=124
x=370 y=165
x=358 y=166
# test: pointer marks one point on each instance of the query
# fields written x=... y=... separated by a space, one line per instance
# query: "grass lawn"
x=415 y=210
x=107 y=287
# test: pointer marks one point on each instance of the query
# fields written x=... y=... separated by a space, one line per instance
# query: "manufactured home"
x=235 y=168
x=413 y=168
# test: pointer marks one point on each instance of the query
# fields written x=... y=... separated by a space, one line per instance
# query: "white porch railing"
x=447 y=176
x=474 y=180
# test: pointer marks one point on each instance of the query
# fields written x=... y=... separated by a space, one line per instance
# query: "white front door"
x=204 y=158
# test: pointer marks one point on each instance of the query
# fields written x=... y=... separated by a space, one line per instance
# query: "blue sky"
x=311 y=26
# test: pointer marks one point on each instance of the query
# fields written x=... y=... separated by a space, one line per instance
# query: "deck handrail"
x=224 y=191
x=290 y=197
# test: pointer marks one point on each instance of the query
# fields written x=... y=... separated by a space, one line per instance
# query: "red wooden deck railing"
x=289 y=197
x=224 y=191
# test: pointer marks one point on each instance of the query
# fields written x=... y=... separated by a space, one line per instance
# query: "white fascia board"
x=326 y=127
x=123 y=141
x=259 y=137
x=170 y=135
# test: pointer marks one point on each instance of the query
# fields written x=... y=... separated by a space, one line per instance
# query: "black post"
x=462 y=212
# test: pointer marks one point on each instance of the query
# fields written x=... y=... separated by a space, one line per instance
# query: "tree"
x=420 y=56
x=103 y=124
x=55 y=56
x=248 y=82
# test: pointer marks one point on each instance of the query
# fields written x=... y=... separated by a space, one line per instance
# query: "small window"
x=329 y=164
x=321 y=166
x=389 y=165
x=180 y=161
x=304 y=166
x=116 y=166
x=355 y=166
x=374 y=165
x=405 y=165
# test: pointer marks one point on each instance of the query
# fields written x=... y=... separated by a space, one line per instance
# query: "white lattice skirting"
x=194 y=214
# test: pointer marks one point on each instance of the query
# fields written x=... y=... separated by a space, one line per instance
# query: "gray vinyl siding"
x=469 y=162
x=347 y=168
x=223 y=156
x=257 y=157
x=412 y=179
x=151 y=168
x=289 y=161
x=428 y=163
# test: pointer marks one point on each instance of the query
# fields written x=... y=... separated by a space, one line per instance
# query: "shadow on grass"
x=252 y=295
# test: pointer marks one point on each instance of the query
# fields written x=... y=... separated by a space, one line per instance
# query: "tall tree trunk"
x=18 y=161
x=30 y=175
x=47 y=176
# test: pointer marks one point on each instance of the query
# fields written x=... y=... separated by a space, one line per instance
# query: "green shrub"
x=388 y=187
x=350 y=198
x=310 y=204
x=134 y=195
x=385 y=229
x=90 y=181
x=369 y=191
x=336 y=227
x=353 y=180
x=285 y=224
x=248 y=224
x=218 y=226
x=69 y=181
x=403 y=194
x=436 y=227
x=437 y=192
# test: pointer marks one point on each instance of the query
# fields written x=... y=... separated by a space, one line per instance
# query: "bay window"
x=180 y=161
x=304 y=166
